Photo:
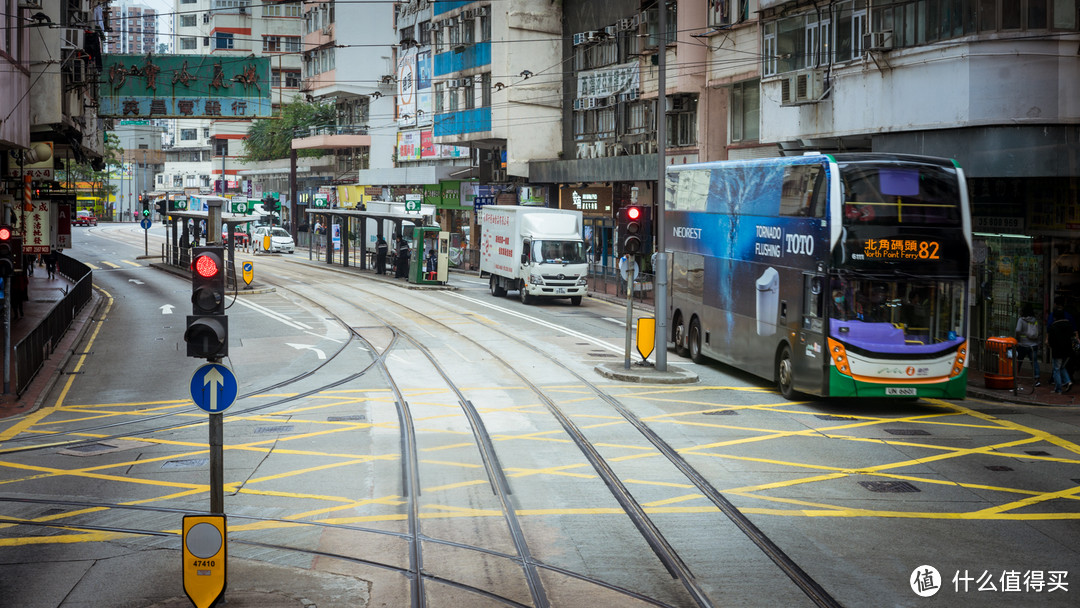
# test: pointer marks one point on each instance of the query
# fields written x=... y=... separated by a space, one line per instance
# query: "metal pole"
x=7 y=335
x=661 y=296
x=217 y=463
x=631 y=267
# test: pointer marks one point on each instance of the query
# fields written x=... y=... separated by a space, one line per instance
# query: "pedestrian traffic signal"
x=7 y=252
x=631 y=229
x=207 y=333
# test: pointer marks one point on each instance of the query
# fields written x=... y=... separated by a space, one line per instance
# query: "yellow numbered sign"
x=204 y=558
x=646 y=336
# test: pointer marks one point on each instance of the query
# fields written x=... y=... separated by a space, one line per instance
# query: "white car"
x=280 y=240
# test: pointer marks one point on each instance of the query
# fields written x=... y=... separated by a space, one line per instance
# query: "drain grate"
x=1037 y=453
x=889 y=486
x=346 y=418
x=832 y=417
x=285 y=428
x=92 y=448
x=906 y=432
x=722 y=413
x=999 y=467
x=604 y=355
x=186 y=463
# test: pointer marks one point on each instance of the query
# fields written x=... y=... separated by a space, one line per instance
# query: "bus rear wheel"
x=785 y=373
x=694 y=342
x=680 y=337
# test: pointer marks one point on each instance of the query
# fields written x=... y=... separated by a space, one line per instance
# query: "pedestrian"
x=1060 y=337
x=381 y=249
x=28 y=264
x=402 y=265
x=50 y=263
x=1028 y=338
x=21 y=289
x=432 y=261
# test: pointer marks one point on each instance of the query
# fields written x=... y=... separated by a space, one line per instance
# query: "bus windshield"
x=559 y=252
x=908 y=316
x=884 y=193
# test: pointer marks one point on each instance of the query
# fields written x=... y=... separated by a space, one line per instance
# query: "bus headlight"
x=839 y=357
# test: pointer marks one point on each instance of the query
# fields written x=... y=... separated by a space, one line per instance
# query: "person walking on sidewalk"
x=1060 y=337
x=1028 y=338
x=50 y=263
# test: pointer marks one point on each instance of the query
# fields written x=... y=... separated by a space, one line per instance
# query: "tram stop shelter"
x=364 y=224
x=181 y=235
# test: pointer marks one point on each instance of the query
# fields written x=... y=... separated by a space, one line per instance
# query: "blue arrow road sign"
x=213 y=387
x=145 y=223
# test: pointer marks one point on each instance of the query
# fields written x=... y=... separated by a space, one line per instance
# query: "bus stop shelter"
x=355 y=222
x=181 y=234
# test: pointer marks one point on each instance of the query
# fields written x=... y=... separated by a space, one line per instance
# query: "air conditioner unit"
x=611 y=30
x=592 y=36
x=482 y=11
x=328 y=30
x=677 y=104
x=579 y=39
x=467 y=81
x=498 y=175
x=468 y=13
x=612 y=100
x=802 y=87
x=878 y=41
x=601 y=149
x=578 y=105
x=453 y=83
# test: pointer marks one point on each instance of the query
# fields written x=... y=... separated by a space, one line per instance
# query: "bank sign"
x=184 y=86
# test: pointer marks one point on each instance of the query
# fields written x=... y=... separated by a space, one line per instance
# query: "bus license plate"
x=560 y=290
x=900 y=391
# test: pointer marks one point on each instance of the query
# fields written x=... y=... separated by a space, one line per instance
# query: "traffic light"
x=161 y=206
x=631 y=230
x=7 y=252
x=145 y=207
x=207 y=333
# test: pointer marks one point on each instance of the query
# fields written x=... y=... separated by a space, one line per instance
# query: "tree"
x=97 y=182
x=271 y=138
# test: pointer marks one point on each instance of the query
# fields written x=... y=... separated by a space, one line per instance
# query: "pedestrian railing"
x=30 y=353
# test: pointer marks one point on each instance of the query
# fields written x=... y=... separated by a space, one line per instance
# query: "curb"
x=646 y=374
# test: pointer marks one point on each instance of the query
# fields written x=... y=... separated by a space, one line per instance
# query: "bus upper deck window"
x=899 y=182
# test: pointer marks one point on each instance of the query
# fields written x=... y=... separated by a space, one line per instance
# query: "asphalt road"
x=395 y=447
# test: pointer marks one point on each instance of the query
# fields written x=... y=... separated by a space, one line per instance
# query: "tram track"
x=666 y=554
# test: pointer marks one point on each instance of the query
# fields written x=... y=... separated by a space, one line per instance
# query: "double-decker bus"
x=832 y=274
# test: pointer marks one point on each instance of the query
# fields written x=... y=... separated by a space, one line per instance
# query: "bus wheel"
x=785 y=375
x=575 y=300
x=680 y=338
x=694 y=342
x=524 y=293
x=496 y=289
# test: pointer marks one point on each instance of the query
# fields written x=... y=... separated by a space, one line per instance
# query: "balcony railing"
x=330 y=130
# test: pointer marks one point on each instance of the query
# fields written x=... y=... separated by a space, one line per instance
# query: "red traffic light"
x=5 y=233
x=206 y=266
x=633 y=213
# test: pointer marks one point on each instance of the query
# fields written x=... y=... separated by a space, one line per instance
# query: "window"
x=292 y=44
x=221 y=147
x=745 y=111
x=425 y=33
x=223 y=40
x=271 y=44
x=727 y=13
x=189 y=134
x=802 y=192
x=470 y=94
x=485 y=89
x=188 y=44
x=485 y=28
x=438 y=97
x=187 y=20
x=682 y=121
x=468 y=31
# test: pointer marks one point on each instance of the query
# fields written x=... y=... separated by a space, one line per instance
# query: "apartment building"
x=134 y=29
x=201 y=151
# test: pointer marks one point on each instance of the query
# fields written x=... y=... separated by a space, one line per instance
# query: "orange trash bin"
x=998 y=356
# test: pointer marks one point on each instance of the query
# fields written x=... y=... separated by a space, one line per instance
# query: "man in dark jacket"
x=381 y=249
x=1060 y=337
x=402 y=269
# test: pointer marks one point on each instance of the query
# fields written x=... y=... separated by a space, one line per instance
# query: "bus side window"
x=802 y=193
x=813 y=301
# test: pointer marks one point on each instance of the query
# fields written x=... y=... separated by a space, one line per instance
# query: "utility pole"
x=661 y=270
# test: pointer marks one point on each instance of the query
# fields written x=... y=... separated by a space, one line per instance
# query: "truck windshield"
x=559 y=252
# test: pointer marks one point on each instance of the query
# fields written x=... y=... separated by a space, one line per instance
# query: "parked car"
x=280 y=240
x=84 y=218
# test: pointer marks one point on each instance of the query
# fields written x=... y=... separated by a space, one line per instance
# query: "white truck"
x=536 y=251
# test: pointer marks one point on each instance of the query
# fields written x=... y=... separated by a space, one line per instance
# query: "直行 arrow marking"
x=214 y=378
x=318 y=352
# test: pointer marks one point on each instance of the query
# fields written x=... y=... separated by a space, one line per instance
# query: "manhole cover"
x=889 y=486
x=285 y=428
x=604 y=355
x=999 y=467
x=90 y=449
x=186 y=463
x=722 y=413
x=345 y=418
x=831 y=417
x=906 y=432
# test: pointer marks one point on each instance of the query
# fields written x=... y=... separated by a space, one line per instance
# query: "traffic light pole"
x=631 y=266
x=660 y=296
x=217 y=425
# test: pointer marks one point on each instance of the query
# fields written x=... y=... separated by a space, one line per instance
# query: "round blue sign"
x=213 y=387
x=145 y=223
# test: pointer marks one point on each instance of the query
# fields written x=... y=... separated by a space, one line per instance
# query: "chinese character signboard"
x=37 y=162
x=184 y=86
x=36 y=229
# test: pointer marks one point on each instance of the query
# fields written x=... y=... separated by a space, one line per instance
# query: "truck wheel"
x=496 y=289
x=694 y=342
x=524 y=293
x=575 y=300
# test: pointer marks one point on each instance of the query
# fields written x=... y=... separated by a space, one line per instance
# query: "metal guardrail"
x=30 y=353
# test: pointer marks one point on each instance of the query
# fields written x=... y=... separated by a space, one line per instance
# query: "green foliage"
x=75 y=172
x=271 y=138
